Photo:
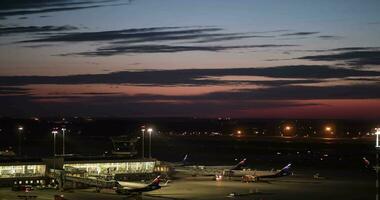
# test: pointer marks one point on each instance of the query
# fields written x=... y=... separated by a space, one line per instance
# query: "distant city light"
x=288 y=128
x=20 y=128
x=328 y=128
x=239 y=132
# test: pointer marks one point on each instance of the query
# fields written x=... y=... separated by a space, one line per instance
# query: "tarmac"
x=294 y=187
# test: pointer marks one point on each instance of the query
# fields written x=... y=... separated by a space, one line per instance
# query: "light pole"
x=63 y=141
x=377 y=147
x=20 y=129
x=54 y=132
x=142 y=142
x=150 y=130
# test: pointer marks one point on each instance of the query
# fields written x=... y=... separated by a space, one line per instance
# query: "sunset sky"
x=198 y=58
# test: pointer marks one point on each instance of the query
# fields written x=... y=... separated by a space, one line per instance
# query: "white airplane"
x=255 y=175
x=182 y=163
x=127 y=188
x=203 y=170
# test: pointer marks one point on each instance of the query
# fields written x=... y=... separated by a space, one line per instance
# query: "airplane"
x=208 y=170
x=184 y=162
x=255 y=175
x=127 y=188
x=368 y=164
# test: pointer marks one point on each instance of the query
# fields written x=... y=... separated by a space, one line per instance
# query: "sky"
x=199 y=58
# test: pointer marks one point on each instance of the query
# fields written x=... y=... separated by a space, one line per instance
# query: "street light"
x=142 y=142
x=377 y=133
x=63 y=140
x=20 y=129
x=150 y=130
x=54 y=132
x=288 y=128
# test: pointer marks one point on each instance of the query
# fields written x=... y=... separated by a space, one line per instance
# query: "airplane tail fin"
x=166 y=183
x=156 y=181
x=239 y=165
x=286 y=171
x=367 y=164
x=184 y=161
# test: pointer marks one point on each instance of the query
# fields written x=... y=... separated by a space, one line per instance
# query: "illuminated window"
x=22 y=171
x=116 y=167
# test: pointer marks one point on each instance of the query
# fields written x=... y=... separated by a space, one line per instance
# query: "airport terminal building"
x=39 y=172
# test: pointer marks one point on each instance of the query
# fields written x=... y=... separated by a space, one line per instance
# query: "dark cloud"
x=117 y=50
x=39 y=45
x=35 y=4
x=134 y=33
x=299 y=33
x=226 y=38
x=354 y=48
x=26 y=7
x=196 y=76
x=228 y=103
x=341 y=49
x=275 y=94
x=330 y=37
x=291 y=92
x=34 y=29
x=358 y=58
x=122 y=106
x=149 y=40
x=154 y=34
x=12 y=90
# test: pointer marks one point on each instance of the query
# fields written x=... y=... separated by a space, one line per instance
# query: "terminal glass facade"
x=16 y=171
x=114 y=167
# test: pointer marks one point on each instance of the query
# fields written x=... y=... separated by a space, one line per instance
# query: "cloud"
x=354 y=48
x=226 y=38
x=196 y=76
x=288 y=87
x=126 y=34
x=299 y=33
x=122 y=106
x=291 y=92
x=358 y=58
x=330 y=37
x=26 y=7
x=34 y=29
x=117 y=50
x=12 y=91
x=211 y=104
x=150 y=40
x=192 y=34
